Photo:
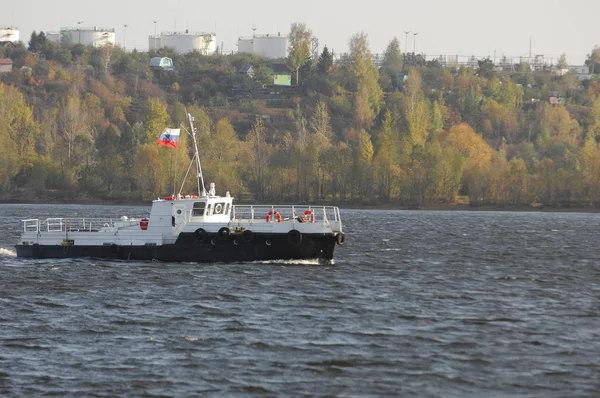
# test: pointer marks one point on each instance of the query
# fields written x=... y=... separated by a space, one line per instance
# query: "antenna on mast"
x=197 y=157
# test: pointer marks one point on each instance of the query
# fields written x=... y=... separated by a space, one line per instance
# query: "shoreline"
x=347 y=206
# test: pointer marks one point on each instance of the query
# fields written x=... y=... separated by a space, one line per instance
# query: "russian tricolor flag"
x=169 y=137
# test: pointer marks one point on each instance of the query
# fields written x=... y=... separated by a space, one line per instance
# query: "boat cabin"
x=178 y=210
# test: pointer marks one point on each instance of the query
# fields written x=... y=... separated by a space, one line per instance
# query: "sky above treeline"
x=449 y=27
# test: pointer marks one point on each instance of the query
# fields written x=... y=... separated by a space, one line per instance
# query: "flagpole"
x=197 y=156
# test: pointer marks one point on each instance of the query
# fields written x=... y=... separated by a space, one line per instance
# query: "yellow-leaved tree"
x=477 y=156
x=368 y=95
x=18 y=132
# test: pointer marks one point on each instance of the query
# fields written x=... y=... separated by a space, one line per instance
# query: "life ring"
x=275 y=214
x=308 y=216
x=224 y=233
x=171 y=198
x=106 y=225
x=201 y=235
x=218 y=208
x=294 y=237
x=248 y=236
x=340 y=238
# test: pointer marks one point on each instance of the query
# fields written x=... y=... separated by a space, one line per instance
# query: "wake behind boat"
x=192 y=228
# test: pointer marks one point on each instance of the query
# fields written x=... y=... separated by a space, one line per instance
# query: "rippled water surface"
x=428 y=304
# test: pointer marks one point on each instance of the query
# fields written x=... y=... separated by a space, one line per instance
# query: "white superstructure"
x=9 y=34
x=95 y=36
x=185 y=42
x=268 y=46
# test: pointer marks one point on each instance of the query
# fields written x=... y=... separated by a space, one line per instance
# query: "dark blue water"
x=428 y=304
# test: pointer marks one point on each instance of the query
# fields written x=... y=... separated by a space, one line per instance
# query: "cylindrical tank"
x=9 y=34
x=185 y=42
x=95 y=37
x=154 y=42
x=269 y=46
x=246 y=46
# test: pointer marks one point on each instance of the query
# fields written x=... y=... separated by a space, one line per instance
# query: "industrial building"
x=185 y=42
x=95 y=37
x=268 y=46
x=8 y=34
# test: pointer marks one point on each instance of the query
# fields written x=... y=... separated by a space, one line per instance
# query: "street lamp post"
x=155 y=22
x=415 y=43
x=79 y=30
x=125 y=38
x=406 y=32
x=415 y=47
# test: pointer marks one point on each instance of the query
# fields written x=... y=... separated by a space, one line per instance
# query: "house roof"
x=245 y=69
x=280 y=69
x=5 y=61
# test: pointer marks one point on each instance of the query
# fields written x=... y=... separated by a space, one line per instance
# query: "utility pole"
x=125 y=38
x=155 y=22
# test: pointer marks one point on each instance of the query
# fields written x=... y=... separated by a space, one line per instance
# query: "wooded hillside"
x=79 y=122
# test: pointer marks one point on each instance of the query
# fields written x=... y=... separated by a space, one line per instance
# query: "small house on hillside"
x=282 y=76
x=6 y=65
x=161 y=63
x=247 y=70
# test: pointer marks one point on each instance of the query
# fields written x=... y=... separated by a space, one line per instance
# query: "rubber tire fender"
x=36 y=250
x=294 y=237
x=201 y=235
x=224 y=233
x=248 y=236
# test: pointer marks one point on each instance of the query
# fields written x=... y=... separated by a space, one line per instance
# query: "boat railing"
x=296 y=213
x=75 y=224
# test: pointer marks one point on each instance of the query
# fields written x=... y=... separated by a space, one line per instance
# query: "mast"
x=197 y=157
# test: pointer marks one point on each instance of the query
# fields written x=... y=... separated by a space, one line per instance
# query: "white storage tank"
x=185 y=42
x=246 y=45
x=53 y=37
x=9 y=34
x=95 y=37
x=154 y=42
x=268 y=46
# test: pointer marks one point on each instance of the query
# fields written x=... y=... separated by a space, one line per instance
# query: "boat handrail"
x=293 y=213
x=57 y=224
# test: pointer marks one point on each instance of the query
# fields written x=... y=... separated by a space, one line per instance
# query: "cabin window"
x=209 y=209
x=198 y=210
x=227 y=206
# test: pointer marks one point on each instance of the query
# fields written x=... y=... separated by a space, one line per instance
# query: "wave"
x=296 y=262
x=7 y=252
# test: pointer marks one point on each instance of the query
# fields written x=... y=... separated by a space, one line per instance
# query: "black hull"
x=210 y=249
